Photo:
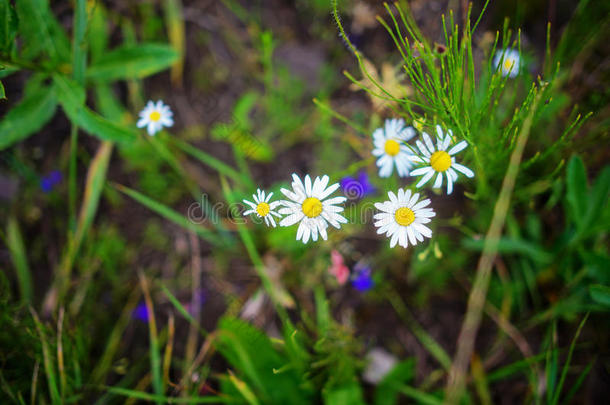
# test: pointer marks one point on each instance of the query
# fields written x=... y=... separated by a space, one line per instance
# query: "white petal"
x=291 y=219
x=386 y=169
x=308 y=186
x=331 y=189
x=411 y=236
x=449 y=184
x=467 y=172
x=428 y=142
x=439 y=181
x=394 y=239
x=458 y=147
x=142 y=122
x=421 y=170
x=425 y=179
x=421 y=204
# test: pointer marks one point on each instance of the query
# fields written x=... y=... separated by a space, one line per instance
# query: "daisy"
x=309 y=206
x=390 y=149
x=509 y=61
x=403 y=218
x=155 y=116
x=262 y=207
x=440 y=160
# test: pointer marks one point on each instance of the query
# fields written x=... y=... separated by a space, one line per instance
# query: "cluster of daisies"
x=404 y=216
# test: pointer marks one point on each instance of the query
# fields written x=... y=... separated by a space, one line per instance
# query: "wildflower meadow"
x=304 y=202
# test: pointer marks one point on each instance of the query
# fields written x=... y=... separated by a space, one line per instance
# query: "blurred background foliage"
x=128 y=275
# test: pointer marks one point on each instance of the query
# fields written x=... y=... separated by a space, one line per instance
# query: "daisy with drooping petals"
x=155 y=116
x=402 y=218
x=508 y=62
x=309 y=206
x=262 y=207
x=389 y=147
x=440 y=160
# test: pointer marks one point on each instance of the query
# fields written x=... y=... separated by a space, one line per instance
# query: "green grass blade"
x=180 y=308
x=96 y=178
x=248 y=242
x=212 y=162
x=14 y=241
x=564 y=371
x=48 y=361
x=577 y=384
x=171 y=215
x=175 y=33
x=145 y=396
x=155 y=354
x=424 y=338
x=419 y=396
x=244 y=390
x=113 y=342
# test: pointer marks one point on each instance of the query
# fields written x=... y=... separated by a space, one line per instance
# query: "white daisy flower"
x=262 y=207
x=309 y=206
x=402 y=218
x=509 y=60
x=155 y=116
x=440 y=160
x=390 y=148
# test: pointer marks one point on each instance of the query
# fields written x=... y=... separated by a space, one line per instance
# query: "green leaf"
x=41 y=32
x=28 y=116
x=17 y=248
x=600 y=294
x=2 y=93
x=596 y=201
x=251 y=353
x=72 y=99
x=389 y=387
x=132 y=62
x=344 y=394
x=8 y=26
x=98 y=31
x=576 y=195
x=514 y=246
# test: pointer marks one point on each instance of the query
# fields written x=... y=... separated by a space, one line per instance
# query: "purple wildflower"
x=141 y=312
x=50 y=180
x=356 y=188
x=362 y=280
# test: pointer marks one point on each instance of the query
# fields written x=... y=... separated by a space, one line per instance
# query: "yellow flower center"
x=263 y=209
x=155 y=116
x=312 y=207
x=508 y=64
x=404 y=216
x=440 y=161
x=392 y=147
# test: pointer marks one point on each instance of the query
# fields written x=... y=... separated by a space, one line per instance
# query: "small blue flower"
x=356 y=188
x=362 y=280
x=51 y=180
x=141 y=312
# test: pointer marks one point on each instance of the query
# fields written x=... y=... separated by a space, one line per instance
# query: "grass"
x=137 y=278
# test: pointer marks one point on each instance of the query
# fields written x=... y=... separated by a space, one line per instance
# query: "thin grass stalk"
x=478 y=294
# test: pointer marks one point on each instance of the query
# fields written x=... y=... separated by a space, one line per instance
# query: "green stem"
x=478 y=294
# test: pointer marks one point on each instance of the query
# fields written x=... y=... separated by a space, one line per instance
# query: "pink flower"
x=338 y=267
